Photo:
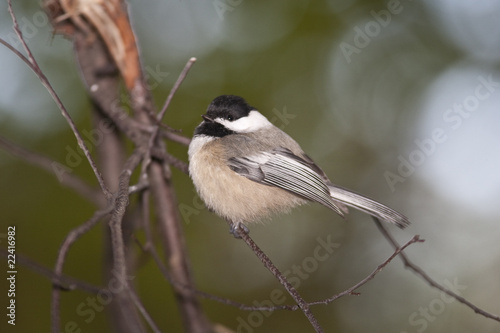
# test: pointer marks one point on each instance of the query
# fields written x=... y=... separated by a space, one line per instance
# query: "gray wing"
x=283 y=169
x=301 y=176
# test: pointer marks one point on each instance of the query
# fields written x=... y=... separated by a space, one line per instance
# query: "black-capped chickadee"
x=245 y=169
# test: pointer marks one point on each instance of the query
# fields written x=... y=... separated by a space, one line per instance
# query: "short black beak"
x=206 y=118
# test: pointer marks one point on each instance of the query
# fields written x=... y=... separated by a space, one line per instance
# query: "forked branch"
x=420 y=272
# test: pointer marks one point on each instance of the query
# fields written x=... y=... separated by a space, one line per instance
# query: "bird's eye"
x=230 y=118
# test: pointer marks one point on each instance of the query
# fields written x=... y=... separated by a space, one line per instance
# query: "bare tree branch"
x=18 y=54
x=175 y=249
x=141 y=101
x=303 y=305
x=350 y=291
x=147 y=247
x=60 y=171
x=133 y=324
x=66 y=282
x=43 y=79
x=176 y=138
x=420 y=272
x=169 y=159
x=176 y=86
x=72 y=237
x=193 y=318
x=103 y=86
x=69 y=283
x=143 y=311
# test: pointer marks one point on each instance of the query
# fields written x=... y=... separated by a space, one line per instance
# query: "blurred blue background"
x=398 y=100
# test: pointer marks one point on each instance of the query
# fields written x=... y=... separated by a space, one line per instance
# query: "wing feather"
x=301 y=176
x=283 y=169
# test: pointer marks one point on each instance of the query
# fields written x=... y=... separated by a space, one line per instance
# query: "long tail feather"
x=368 y=206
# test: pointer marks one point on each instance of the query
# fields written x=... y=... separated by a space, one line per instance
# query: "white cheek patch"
x=251 y=123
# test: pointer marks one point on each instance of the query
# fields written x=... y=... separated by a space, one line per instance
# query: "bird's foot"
x=237 y=228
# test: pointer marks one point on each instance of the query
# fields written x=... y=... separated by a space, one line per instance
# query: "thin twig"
x=194 y=320
x=43 y=79
x=168 y=134
x=191 y=313
x=156 y=257
x=119 y=271
x=350 y=291
x=70 y=283
x=169 y=159
x=176 y=86
x=72 y=237
x=147 y=158
x=246 y=307
x=154 y=134
x=144 y=204
x=139 y=187
x=183 y=140
x=17 y=53
x=149 y=247
x=419 y=271
x=66 y=282
x=119 y=208
x=304 y=306
x=60 y=171
x=143 y=310
x=104 y=86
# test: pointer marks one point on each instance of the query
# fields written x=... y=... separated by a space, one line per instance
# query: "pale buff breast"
x=227 y=193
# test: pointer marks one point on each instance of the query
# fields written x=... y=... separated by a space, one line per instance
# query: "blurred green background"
x=398 y=100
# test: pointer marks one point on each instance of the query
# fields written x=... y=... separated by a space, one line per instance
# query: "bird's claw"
x=237 y=228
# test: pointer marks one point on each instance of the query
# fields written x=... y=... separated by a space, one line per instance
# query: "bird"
x=246 y=170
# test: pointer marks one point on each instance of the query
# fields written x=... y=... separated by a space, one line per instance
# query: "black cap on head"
x=229 y=107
